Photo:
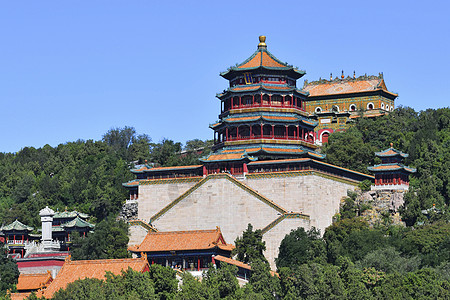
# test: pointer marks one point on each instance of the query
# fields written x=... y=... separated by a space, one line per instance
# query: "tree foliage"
x=424 y=135
x=250 y=246
x=109 y=240
x=9 y=273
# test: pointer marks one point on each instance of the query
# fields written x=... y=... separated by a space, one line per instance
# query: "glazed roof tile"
x=391 y=167
x=175 y=168
x=262 y=58
x=17 y=226
x=227 y=156
x=79 y=269
x=391 y=152
x=279 y=161
x=180 y=240
x=232 y=262
x=33 y=281
x=19 y=296
x=346 y=86
x=69 y=214
x=78 y=223
x=131 y=183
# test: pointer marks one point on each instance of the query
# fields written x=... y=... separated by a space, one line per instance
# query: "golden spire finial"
x=262 y=41
x=392 y=145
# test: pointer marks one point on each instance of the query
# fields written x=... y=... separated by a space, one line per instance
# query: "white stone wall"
x=154 y=197
x=313 y=195
x=137 y=234
x=220 y=202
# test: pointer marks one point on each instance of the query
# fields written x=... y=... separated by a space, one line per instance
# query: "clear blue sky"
x=74 y=69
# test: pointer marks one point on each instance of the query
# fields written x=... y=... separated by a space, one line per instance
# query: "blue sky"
x=74 y=69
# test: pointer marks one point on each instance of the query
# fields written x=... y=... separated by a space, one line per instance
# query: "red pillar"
x=232 y=102
x=226 y=132
x=270 y=100
x=250 y=131
x=253 y=99
x=237 y=132
x=245 y=169
x=298 y=131
x=261 y=130
x=240 y=102
x=287 y=131
x=198 y=264
x=273 y=131
x=294 y=101
x=261 y=100
x=282 y=101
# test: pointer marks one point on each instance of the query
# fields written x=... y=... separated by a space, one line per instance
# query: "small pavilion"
x=391 y=173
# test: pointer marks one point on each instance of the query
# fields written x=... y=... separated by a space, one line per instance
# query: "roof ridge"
x=186 y=231
x=108 y=260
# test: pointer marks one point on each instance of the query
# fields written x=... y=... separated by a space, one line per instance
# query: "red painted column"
x=298 y=132
x=294 y=101
x=240 y=101
x=261 y=130
x=273 y=131
x=232 y=102
x=253 y=99
x=205 y=172
x=270 y=100
x=226 y=131
x=237 y=132
x=287 y=131
x=245 y=169
x=261 y=100
x=282 y=101
x=198 y=264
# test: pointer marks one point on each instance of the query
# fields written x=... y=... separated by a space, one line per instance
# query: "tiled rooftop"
x=73 y=270
x=181 y=240
x=33 y=281
x=345 y=86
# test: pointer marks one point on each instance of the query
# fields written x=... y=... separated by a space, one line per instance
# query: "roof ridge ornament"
x=262 y=42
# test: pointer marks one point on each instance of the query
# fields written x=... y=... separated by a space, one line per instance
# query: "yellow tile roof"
x=79 y=269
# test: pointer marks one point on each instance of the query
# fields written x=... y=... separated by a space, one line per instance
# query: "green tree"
x=109 y=240
x=9 y=273
x=250 y=246
x=300 y=247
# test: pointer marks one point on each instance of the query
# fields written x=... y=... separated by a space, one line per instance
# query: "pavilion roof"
x=220 y=156
x=182 y=240
x=33 y=281
x=391 y=152
x=391 y=167
x=77 y=223
x=263 y=59
x=285 y=118
x=79 y=269
x=70 y=214
x=346 y=86
x=262 y=86
x=16 y=226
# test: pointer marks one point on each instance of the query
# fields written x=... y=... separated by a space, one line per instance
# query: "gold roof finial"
x=262 y=42
x=392 y=145
x=342 y=76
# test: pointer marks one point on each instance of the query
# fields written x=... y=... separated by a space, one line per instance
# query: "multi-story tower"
x=262 y=112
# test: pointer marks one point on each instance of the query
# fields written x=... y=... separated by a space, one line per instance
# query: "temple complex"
x=265 y=169
x=334 y=103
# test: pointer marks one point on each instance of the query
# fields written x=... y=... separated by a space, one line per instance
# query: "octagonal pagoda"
x=263 y=113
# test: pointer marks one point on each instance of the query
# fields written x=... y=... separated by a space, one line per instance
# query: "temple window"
x=387 y=107
x=370 y=105
x=318 y=109
x=335 y=109
x=352 y=107
x=382 y=105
